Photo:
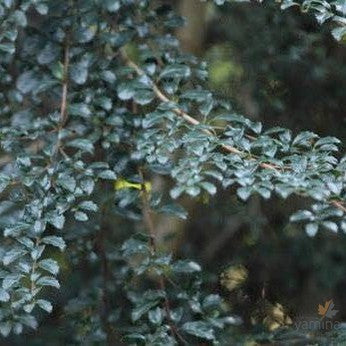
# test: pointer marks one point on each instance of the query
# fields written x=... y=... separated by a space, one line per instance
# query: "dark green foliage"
x=97 y=100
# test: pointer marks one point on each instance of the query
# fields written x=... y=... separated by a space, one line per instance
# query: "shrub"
x=97 y=102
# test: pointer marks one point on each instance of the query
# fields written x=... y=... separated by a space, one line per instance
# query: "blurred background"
x=281 y=68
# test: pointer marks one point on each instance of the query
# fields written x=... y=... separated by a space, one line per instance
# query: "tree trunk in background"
x=192 y=35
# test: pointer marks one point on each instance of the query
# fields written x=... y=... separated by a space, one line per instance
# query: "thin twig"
x=63 y=107
x=338 y=205
x=63 y=103
x=55 y=151
x=146 y=210
x=193 y=121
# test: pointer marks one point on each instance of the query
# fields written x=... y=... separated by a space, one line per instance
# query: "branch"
x=339 y=205
x=63 y=103
x=146 y=210
x=63 y=107
x=193 y=121
x=63 y=114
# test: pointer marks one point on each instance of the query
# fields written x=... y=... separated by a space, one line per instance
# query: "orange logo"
x=327 y=310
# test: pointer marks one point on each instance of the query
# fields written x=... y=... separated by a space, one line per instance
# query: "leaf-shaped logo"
x=327 y=310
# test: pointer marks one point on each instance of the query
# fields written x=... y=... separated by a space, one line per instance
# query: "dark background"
x=281 y=68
